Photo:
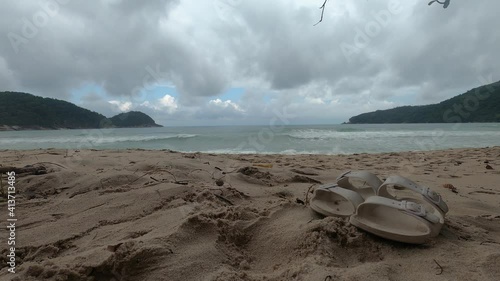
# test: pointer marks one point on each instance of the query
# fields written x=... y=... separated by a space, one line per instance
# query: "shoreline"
x=290 y=140
x=148 y=214
x=8 y=128
x=243 y=154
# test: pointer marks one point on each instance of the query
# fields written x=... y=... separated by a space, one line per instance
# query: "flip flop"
x=394 y=187
x=397 y=209
x=363 y=182
x=342 y=199
x=400 y=188
x=332 y=200
x=402 y=221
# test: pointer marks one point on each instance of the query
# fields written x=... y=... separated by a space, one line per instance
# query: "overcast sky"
x=215 y=62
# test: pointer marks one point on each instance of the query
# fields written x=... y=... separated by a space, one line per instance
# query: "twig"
x=224 y=199
x=440 y=268
x=445 y=3
x=328 y=278
x=322 y=12
x=230 y=172
x=139 y=177
x=170 y=173
x=307 y=194
x=182 y=182
x=211 y=174
x=50 y=163
x=195 y=170
x=492 y=242
x=152 y=184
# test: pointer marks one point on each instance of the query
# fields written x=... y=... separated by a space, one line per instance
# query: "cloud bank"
x=181 y=60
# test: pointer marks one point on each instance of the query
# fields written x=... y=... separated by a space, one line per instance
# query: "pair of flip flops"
x=396 y=209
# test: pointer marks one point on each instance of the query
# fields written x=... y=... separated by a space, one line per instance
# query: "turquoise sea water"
x=303 y=139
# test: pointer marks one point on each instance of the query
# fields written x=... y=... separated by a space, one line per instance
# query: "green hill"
x=33 y=112
x=133 y=119
x=25 y=111
x=481 y=104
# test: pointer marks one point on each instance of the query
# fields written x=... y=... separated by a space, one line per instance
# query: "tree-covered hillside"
x=29 y=111
x=481 y=104
x=133 y=119
x=25 y=111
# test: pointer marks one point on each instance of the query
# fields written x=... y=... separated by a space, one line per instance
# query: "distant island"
x=22 y=111
x=481 y=104
x=133 y=119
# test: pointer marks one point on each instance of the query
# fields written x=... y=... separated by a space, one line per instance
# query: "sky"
x=242 y=62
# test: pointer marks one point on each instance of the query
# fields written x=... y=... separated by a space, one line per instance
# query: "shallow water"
x=303 y=139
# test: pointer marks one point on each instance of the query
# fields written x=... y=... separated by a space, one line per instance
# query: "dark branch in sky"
x=322 y=11
x=445 y=4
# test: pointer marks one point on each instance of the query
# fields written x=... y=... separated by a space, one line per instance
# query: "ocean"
x=296 y=139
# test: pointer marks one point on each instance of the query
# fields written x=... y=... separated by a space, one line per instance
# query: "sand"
x=163 y=215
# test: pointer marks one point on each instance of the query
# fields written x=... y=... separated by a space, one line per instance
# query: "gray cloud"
x=98 y=104
x=205 y=48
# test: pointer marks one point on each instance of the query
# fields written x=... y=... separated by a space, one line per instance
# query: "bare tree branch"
x=445 y=4
x=322 y=12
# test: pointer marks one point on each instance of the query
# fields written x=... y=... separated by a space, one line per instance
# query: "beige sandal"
x=388 y=209
x=402 y=221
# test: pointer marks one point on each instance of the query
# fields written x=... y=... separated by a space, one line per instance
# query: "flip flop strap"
x=373 y=181
x=409 y=207
x=419 y=210
x=350 y=195
x=428 y=194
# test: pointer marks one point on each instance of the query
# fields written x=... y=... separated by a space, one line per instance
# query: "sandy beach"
x=164 y=215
